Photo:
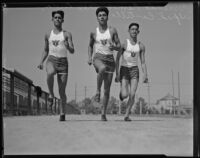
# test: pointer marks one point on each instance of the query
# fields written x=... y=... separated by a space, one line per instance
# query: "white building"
x=168 y=102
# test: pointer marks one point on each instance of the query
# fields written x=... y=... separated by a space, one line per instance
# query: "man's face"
x=102 y=17
x=57 y=19
x=133 y=31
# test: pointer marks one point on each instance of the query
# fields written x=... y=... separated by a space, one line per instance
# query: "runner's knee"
x=63 y=96
x=107 y=92
x=124 y=94
x=62 y=91
x=132 y=96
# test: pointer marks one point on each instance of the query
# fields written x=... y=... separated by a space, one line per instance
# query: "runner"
x=129 y=72
x=103 y=42
x=58 y=43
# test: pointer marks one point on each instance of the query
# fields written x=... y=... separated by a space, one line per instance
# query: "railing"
x=21 y=97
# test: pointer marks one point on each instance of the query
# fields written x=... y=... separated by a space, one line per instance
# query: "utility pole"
x=148 y=93
x=179 y=89
x=173 y=107
x=140 y=107
x=75 y=92
x=172 y=83
x=120 y=103
x=179 y=101
x=85 y=91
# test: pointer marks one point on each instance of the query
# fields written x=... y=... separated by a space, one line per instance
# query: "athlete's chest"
x=56 y=39
x=103 y=38
x=132 y=50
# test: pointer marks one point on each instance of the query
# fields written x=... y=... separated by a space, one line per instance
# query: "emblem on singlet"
x=104 y=42
x=133 y=54
x=55 y=42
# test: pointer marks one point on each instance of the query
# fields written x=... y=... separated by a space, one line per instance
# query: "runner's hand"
x=66 y=44
x=145 y=79
x=111 y=46
x=40 y=66
x=90 y=61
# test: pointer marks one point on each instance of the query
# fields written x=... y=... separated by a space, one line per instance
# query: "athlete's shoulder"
x=125 y=43
x=141 y=45
x=47 y=34
x=67 y=33
x=93 y=33
x=112 y=29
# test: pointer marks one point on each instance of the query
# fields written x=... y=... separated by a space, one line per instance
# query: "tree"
x=123 y=107
x=72 y=107
x=143 y=105
x=90 y=106
x=112 y=106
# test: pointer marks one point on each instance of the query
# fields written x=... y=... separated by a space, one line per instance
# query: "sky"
x=166 y=32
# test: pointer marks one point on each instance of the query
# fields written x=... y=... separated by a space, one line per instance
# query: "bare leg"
x=124 y=91
x=99 y=66
x=62 y=82
x=133 y=88
x=50 y=78
x=107 y=83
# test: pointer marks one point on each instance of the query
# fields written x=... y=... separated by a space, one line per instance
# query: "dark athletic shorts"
x=129 y=73
x=107 y=60
x=59 y=64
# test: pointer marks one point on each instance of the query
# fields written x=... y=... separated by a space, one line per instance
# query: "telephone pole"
x=85 y=91
x=148 y=93
x=172 y=83
x=173 y=106
x=75 y=92
x=179 y=97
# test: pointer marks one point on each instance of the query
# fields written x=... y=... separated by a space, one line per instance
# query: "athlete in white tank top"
x=129 y=72
x=56 y=45
x=102 y=42
x=130 y=55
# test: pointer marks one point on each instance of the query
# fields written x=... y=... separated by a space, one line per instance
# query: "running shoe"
x=103 y=118
x=62 y=117
x=127 y=119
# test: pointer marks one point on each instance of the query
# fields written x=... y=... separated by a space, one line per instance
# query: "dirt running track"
x=85 y=134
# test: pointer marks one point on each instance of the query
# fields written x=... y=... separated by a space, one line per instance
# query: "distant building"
x=168 y=102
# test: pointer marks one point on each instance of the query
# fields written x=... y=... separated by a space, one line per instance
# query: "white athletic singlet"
x=129 y=60
x=102 y=42
x=56 y=45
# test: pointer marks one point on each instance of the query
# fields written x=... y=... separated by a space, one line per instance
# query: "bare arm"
x=45 y=52
x=119 y=53
x=115 y=40
x=143 y=64
x=90 y=48
x=68 y=42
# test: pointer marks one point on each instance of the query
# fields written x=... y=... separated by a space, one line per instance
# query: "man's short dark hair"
x=58 y=12
x=133 y=24
x=102 y=9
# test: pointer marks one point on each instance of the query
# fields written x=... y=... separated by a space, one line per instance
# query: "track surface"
x=86 y=134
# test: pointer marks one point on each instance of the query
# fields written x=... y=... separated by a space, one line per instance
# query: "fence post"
x=12 y=94
x=29 y=99
x=55 y=104
x=38 y=105
x=140 y=107
x=58 y=106
x=46 y=103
